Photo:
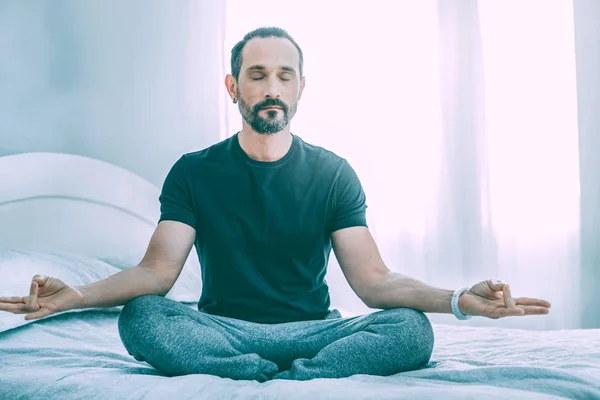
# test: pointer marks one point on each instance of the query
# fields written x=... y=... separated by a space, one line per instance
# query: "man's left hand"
x=493 y=299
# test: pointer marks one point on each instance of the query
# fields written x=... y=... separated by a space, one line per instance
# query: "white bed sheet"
x=80 y=356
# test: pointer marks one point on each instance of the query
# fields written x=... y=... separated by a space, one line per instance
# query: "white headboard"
x=68 y=203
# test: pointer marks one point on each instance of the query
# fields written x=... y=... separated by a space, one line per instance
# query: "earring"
x=234 y=100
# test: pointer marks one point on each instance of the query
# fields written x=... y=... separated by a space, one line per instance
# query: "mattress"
x=80 y=356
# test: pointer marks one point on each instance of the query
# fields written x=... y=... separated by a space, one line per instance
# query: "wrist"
x=457 y=303
x=82 y=297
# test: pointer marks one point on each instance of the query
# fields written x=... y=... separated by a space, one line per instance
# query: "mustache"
x=271 y=103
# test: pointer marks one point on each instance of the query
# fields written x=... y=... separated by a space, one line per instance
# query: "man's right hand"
x=156 y=274
x=47 y=296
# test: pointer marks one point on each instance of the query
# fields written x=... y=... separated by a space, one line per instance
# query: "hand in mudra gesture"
x=493 y=299
x=47 y=296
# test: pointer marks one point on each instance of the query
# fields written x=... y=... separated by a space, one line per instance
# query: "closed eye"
x=286 y=77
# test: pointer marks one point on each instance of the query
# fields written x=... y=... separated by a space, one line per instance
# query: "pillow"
x=187 y=288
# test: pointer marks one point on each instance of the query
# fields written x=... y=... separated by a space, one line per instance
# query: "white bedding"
x=80 y=356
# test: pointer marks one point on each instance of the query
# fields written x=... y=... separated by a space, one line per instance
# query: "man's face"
x=269 y=85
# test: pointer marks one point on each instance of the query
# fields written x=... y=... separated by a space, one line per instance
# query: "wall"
x=134 y=83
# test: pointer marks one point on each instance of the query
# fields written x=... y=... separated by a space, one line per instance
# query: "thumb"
x=41 y=313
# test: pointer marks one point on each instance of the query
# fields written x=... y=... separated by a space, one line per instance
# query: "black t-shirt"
x=263 y=229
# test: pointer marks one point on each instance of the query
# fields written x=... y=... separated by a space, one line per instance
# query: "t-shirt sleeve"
x=176 y=198
x=349 y=201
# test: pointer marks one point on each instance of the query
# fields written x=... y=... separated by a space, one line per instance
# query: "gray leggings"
x=178 y=340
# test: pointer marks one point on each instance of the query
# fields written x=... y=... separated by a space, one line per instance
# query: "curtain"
x=587 y=40
x=460 y=119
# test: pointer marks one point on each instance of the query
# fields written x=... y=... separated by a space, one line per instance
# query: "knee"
x=135 y=315
x=414 y=329
x=138 y=307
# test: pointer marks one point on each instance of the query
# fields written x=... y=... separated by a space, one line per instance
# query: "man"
x=264 y=209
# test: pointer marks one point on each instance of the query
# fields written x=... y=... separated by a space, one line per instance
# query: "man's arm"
x=160 y=267
x=378 y=287
x=374 y=283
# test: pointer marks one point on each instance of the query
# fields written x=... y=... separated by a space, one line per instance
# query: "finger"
x=13 y=299
x=17 y=308
x=495 y=285
x=508 y=300
x=533 y=310
x=40 y=279
x=508 y=312
x=527 y=301
x=41 y=313
x=33 y=294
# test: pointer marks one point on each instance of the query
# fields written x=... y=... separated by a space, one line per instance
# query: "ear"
x=302 y=83
x=231 y=86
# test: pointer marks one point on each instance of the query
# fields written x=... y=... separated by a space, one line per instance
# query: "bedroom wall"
x=134 y=83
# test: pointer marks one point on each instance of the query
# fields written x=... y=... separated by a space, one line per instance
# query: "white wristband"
x=454 y=304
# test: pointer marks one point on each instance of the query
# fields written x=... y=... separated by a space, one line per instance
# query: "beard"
x=273 y=123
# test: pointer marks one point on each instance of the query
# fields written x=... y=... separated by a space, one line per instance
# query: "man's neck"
x=265 y=147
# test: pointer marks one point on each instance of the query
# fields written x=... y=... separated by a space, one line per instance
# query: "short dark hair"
x=264 y=32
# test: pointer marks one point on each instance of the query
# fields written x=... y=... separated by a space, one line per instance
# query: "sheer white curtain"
x=460 y=120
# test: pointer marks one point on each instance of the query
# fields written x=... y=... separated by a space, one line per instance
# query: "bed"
x=82 y=220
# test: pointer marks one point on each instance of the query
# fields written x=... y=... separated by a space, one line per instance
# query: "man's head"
x=266 y=78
